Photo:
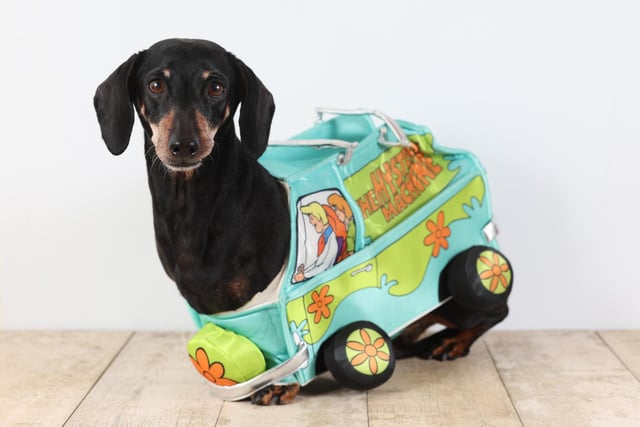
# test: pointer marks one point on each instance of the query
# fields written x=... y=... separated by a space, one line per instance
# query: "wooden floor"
x=542 y=378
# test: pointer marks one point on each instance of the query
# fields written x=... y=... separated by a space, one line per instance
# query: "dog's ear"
x=256 y=110
x=114 y=107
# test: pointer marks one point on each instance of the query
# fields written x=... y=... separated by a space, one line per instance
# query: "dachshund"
x=209 y=192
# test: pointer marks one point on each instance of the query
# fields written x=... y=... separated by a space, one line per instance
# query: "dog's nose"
x=178 y=148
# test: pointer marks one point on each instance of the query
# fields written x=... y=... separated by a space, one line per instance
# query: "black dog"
x=221 y=220
x=210 y=195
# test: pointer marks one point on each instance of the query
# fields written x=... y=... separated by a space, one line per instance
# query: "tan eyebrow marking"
x=205 y=75
x=166 y=72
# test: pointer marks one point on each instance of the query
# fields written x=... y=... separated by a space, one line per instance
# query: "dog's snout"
x=187 y=149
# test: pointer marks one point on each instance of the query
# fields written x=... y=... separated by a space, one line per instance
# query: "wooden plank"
x=321 y=403
x=625 y=344
x=464 y=392
x=152 y=382
x=565 y=379
x=44 y=375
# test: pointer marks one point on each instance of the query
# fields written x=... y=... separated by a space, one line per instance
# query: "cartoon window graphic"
x=326 y=233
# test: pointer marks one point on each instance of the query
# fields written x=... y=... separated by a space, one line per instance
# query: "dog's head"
x=184 y=91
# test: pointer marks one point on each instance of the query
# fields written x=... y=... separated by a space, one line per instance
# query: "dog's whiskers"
x=155 y=158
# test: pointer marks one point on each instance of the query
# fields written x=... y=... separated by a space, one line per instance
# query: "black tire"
x=360 y=356
x=479 y=278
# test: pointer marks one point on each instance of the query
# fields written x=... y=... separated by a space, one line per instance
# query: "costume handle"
x=400 y=136
x=401 y=139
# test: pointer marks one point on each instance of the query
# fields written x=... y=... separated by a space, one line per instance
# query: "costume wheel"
x=360 y=356
x=479 y=278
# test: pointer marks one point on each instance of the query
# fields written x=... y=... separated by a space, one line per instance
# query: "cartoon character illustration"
x=326 y=232
x=323 y=219
x=345 y=215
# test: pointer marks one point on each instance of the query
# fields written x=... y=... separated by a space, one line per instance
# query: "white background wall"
x=547 y=93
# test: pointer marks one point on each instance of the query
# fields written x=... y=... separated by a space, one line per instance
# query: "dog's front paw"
x=280 y=394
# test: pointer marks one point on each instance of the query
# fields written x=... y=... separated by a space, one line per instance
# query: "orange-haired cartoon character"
x=343 y=211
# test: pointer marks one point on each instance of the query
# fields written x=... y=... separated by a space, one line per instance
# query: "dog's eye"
x=215 y=89
x=157 y=86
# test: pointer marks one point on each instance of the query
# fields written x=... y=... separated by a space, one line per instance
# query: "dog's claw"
x=280 y=394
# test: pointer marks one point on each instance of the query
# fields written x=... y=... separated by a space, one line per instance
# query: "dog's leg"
x=280 y=394
x=464 y=326
x=403 y=344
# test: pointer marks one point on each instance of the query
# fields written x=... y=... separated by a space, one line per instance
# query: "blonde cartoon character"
x=327 y=252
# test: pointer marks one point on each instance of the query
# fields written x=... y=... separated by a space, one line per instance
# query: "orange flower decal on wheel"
x=320 y=305
x=367 y=345
x=494 y=271
x=439 y=234
x=213 y=372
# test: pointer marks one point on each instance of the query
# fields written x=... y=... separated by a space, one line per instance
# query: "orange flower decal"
x=213 y=372
x=497 y=277
x=366 y=348
x=439 y=234
x=320 y=305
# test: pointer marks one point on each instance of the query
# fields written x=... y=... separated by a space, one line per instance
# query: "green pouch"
x=223 y=357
